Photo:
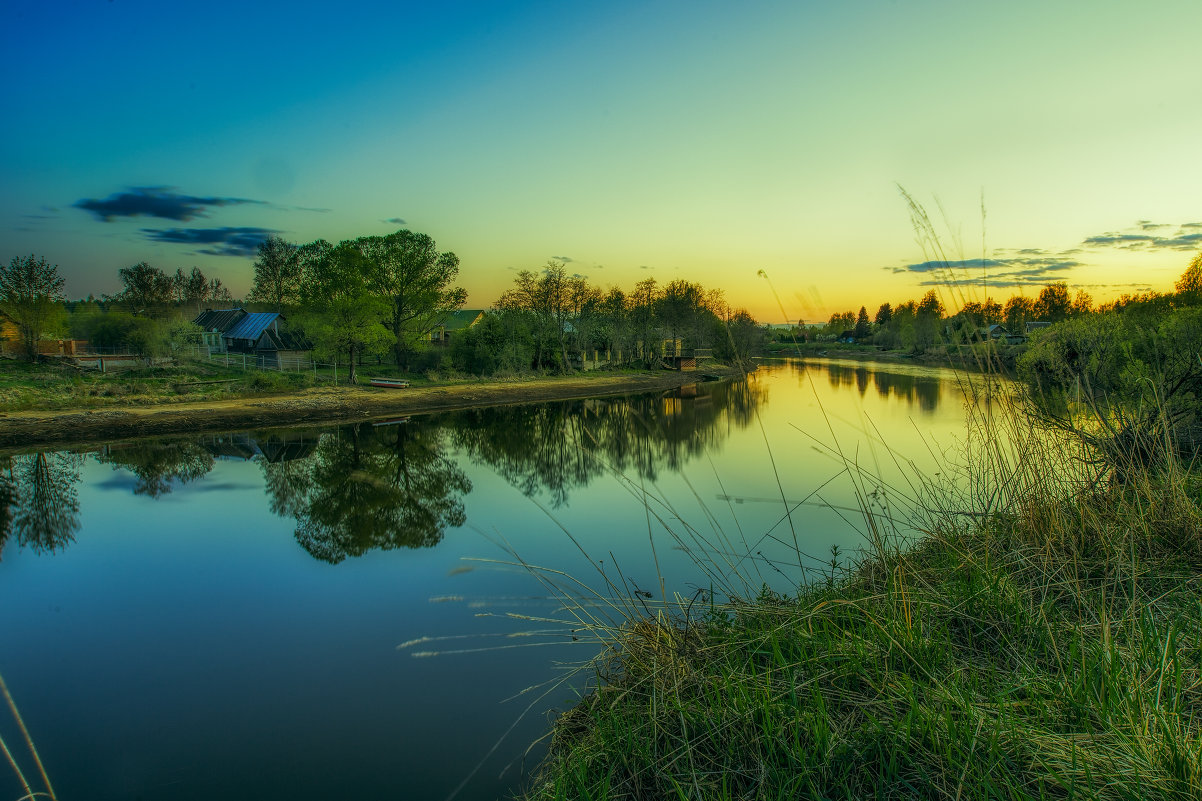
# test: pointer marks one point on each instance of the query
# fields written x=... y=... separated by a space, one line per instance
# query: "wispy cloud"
x=218 y=241
x=395 y=221
x=1148 y=236
x=155 y=201
x=564 y=259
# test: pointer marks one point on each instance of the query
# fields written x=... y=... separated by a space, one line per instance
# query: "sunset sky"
x=695 y=140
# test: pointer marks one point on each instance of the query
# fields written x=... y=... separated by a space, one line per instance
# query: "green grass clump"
x=1043 y=640
x=52 y=386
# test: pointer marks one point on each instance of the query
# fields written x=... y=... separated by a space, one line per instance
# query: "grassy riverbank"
x=1043 y=641
x=68 y=415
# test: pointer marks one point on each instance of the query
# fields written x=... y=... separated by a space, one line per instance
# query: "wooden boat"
x=389 y=383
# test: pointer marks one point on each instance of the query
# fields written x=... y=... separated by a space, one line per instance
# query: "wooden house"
x=254 y=333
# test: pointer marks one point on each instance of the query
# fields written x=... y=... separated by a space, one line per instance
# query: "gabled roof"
x=284 y=340
x=251 y=326
x=220 y=320
x=457 y=320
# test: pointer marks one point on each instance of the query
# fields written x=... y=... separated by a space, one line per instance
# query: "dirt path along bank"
x=31 y=430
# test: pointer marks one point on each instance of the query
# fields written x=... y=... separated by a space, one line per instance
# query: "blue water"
x=208 y=625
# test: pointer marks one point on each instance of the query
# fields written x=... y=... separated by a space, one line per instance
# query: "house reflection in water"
x=272 y=446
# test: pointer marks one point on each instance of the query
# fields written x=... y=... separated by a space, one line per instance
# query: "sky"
x=758 y=147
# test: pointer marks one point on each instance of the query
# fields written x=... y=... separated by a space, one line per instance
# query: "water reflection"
x=554 y=448
x=158 y=464
x=39 y=500
x=366 y=487
x=396 y=484
x=902 y=383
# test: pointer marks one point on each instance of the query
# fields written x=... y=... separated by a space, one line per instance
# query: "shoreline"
x=31 y=430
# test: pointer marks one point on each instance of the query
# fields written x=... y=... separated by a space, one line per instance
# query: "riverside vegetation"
x=1026 y=625
x=379 y=300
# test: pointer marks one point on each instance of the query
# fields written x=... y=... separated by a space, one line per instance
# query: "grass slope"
x=1045 y=645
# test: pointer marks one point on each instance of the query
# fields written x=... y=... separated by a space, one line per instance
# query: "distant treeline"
x=380 y=298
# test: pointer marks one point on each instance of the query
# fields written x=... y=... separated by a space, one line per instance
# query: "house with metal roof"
x=258 y=333
x=215 y=323
x=460 y=320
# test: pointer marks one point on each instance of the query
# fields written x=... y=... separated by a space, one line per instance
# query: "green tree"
x=1017 y=312
x=218 y=293
x=928 y=314
x=1189 y=286
x=341 y=315
x=883 y=315
x=277 y=281
x=147 y=290
x=31 y=296
x=547 y=299
x=745 y=337
x=679 y=306
x=863 y=327
x=1053 y=303
x=641 y=314
x=415 y=280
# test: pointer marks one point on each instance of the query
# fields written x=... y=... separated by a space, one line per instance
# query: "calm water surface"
x=219 y=616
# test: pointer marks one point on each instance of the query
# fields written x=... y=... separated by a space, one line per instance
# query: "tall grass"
x=1030 y=630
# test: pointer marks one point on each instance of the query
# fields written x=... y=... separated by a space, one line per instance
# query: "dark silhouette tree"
x=863 y=327
x=884 y=315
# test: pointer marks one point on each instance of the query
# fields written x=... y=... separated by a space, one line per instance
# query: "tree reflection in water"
x=556 y=447
x=40 y=498
x=158 y=463
x=368 y=487
x=923 y=390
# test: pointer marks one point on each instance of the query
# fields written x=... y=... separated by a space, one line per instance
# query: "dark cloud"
x=564 y=259
x=155 y=201
x=395 y=221
x=1017 y=271
x=219 y=241
x=1186 y=237
x=312 y=209
x=644 y=267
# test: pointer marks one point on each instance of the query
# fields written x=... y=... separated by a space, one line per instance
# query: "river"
x=357 y=611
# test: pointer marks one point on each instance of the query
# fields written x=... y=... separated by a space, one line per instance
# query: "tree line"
x=920 y=324
x=380 y=298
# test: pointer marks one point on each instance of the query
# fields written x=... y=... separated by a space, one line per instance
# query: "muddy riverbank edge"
x=32 y=430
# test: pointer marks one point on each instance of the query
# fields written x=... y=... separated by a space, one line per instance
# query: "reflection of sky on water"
x=184 y=645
